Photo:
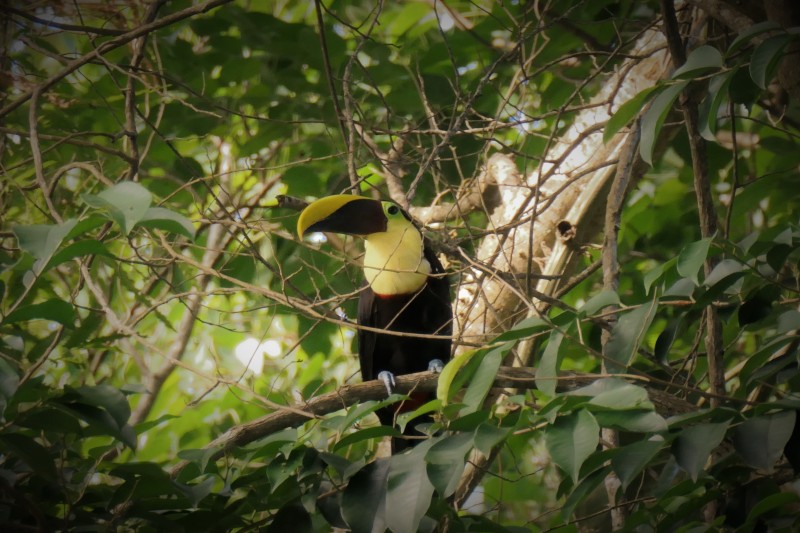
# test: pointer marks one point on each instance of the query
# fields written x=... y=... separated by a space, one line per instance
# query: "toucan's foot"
x=388 y=381
x=436 y=366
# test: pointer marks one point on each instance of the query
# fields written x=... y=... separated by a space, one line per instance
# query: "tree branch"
x=347 y=395
x=109 y=46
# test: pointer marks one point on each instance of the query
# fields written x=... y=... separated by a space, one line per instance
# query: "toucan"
x=406 y=291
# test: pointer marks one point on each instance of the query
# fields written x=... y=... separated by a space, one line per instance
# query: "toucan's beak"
x=343 y=213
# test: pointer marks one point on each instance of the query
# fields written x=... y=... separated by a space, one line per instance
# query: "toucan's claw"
x=436 y=366
x=388 y=381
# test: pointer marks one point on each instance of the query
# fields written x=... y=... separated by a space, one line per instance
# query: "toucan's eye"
x=393 y=210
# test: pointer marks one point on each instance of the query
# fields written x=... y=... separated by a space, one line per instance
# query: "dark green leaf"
x=446 y=460
x=31 y=452
x=711 y=104
x=364 y=499
x=691 y=259
x=597 y=302
x=108 y=398
x=760 y=440
x=627 y=111
x=654 y=118
x=627 y=335
x=292 y=518
x=547 y=371
x=634 y=458
x=78 y=249
x=702 y=60
x=410 y=491
x=483 y=380
x=571 y=440
x=695 y=444
x=765 y=58
x=375 y=432
x=54 y=309
x=750 y=32
x=488 y=436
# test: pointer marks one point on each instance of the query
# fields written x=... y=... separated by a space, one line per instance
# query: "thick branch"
x=705 y=201
x=347 y=395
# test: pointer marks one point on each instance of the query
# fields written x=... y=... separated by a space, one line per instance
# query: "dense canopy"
x=612 y=187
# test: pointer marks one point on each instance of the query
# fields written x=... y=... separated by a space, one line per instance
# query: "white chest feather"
x=394 y=262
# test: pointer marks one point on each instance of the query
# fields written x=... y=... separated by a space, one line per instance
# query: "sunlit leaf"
x=126 y=203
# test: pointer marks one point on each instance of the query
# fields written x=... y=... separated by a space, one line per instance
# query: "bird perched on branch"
x=406 y=293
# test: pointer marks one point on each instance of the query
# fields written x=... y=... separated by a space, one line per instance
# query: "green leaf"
x=488 y=436
x=615 y=393
x=547 y=371
x=771 y=502
x=409 y=489
x=710 y=106
x=292 y=517
x=701 y=61
x=627 y=111
x=765 y=58
x=654 y=118
x=584 y=489
x=655 y=274
x=54 y=309
x=597 y=302
x=31 y=452
x=125 y=203
x=571 y=440
x=634 y=458
x=695 y=444
x=750 y=32
x=692 y=257
x=627 y=335
x=108 y=398
x=523 y=329
x=456 y=372
x=42 y=241
x=375 y=432
x=760 y=440
x=78 y=249
x=635 y=421
x=164 y=219
x=724 y=273
x=483 y=380
x=446 y=460
x=363 y=501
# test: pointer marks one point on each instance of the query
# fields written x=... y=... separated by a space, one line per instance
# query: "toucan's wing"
x=440 y=312
x=367 y=316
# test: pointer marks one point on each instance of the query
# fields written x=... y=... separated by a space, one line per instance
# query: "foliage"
x=154 y=297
